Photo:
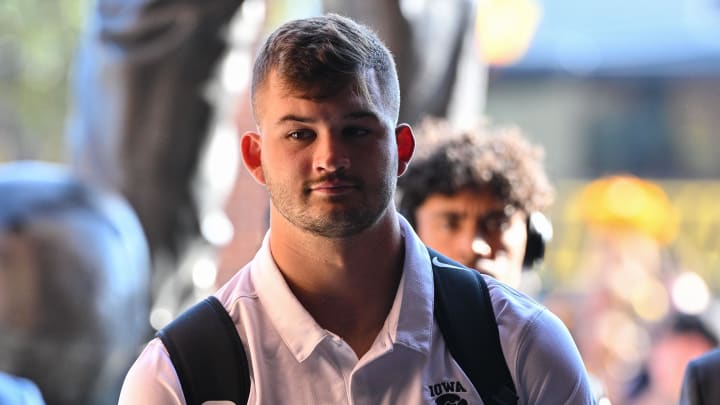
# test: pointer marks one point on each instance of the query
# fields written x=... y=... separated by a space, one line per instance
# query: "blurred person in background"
x=679 y=339
x=477 y=196
x=624 y=286
x=700 y=384
x=73 y=284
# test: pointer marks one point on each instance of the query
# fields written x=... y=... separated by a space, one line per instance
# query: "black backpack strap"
x=465 y=315
x=208 y=354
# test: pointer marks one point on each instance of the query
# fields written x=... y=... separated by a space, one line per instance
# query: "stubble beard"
x=347 y=218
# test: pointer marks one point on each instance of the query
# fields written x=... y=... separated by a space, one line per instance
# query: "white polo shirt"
x=295 y=361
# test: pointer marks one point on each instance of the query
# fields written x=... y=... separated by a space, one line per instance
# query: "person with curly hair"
x=477 y=197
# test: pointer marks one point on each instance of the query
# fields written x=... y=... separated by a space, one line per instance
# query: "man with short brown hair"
x=337 y=305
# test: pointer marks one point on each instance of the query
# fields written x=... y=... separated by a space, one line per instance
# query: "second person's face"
x=476 y=229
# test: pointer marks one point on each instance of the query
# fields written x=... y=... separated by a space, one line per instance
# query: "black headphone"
x=539 y=233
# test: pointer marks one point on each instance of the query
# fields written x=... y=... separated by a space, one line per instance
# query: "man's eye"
x=300 y=135
x=356 y=131
x=451 y=224
x=496 y=223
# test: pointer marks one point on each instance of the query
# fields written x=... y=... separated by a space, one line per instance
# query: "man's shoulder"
x=510 y=306
x=152 y=378
x=508 y=301
x=523 y=321
x=239 y=286
x=701 y=376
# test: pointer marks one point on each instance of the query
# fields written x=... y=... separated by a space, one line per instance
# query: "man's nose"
x=480 y=246
x=331 y=154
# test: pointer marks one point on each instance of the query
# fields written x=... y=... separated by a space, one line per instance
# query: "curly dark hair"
x=498 y=158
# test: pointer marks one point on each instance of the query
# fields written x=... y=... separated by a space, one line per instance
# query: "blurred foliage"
x=37 y=43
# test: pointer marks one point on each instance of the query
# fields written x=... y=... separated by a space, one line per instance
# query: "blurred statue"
x=427 y=43
x=141 y=114
x=74 y=280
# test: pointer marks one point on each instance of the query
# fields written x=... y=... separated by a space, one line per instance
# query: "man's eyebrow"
x=360 y=114
x=450 y=214
x=294 y=118
x=495 y=211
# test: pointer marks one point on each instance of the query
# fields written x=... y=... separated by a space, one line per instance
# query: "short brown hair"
x=319 y=56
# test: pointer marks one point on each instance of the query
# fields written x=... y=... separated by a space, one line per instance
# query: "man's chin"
x=500 y=269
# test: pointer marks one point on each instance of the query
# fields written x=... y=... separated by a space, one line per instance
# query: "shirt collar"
x=294 y=324
x=414 y=316
x=409 y=323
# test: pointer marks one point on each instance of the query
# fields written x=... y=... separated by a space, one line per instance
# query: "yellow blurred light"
x=625 y=202
x=505 y=28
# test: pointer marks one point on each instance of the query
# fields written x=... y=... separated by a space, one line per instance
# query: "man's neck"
x=348 y=284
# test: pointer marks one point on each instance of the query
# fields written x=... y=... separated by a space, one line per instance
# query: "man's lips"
x=333 y=187
x=332 y=184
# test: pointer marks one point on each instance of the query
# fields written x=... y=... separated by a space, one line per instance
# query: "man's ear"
x=251 y=149
x=406 y=146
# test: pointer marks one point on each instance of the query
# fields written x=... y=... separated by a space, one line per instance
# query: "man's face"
x=478 y=230
x=330 y=165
